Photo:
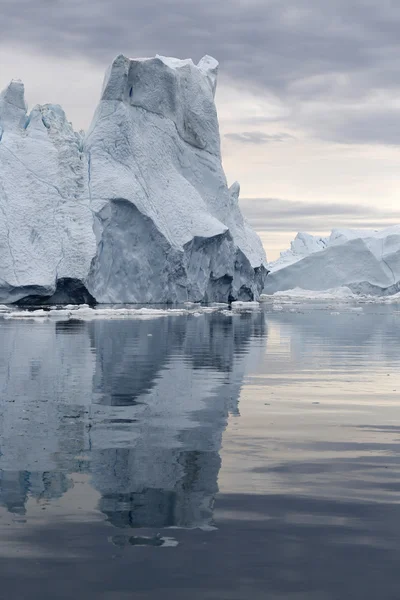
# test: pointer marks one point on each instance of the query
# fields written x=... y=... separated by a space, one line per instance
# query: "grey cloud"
x=272 y=214
x=258 y=137
x=333 y=51
x=372 y=126
x=266 y=42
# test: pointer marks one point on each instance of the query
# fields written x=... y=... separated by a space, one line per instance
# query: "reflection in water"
x=139 y=405
x=371 y=331
x=113 y=429
x=17 y=486
x=321 y=413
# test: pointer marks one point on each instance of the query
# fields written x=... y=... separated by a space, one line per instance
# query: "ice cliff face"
x=136 y=211
x=167 y=226
x=46 y=234
x=363 y=260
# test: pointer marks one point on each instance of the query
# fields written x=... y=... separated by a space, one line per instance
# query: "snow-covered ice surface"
x=366 y=262
x=136 y=211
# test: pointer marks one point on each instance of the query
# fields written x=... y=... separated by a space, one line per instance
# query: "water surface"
x=202 y=457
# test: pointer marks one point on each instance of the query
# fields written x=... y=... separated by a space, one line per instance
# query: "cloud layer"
x=271 y=214
x=258 y=137
x=323 y=59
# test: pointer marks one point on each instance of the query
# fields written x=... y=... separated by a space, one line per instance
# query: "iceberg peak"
x=12 y=105
x=174 y=89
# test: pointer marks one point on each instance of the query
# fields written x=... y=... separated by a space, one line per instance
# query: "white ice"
x=85 y=313
x=136 y=211
x=365 y=261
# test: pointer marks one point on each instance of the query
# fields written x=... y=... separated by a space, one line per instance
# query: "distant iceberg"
x=363 y=261
x=136 y=211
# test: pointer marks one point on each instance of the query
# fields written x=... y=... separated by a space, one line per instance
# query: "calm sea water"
x=211 y=457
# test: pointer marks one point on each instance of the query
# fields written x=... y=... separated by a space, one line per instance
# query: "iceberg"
x=363 y=261
x=137 y=210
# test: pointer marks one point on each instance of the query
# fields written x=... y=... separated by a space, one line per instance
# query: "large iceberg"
x=365 y=261
x=136 y=210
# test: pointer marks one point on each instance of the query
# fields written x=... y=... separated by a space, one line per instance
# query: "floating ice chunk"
x=144 y=540
x=341 y=293
x=237 y=306
x=277 y=307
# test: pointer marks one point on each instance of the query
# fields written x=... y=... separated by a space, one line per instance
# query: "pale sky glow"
x=308 y=96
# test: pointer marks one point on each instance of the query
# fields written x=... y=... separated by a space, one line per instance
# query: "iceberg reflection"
x=140 y=406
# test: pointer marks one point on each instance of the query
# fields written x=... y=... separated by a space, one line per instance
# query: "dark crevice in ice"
x=68 y=291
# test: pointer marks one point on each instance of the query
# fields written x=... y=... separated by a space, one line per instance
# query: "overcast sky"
x=308 y=96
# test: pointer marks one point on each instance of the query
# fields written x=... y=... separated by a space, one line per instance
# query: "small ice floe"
x=230 y=313
x=277 y=307
x=156 y=541
x=295 y=294
x=247 y=306
x=207 y=527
